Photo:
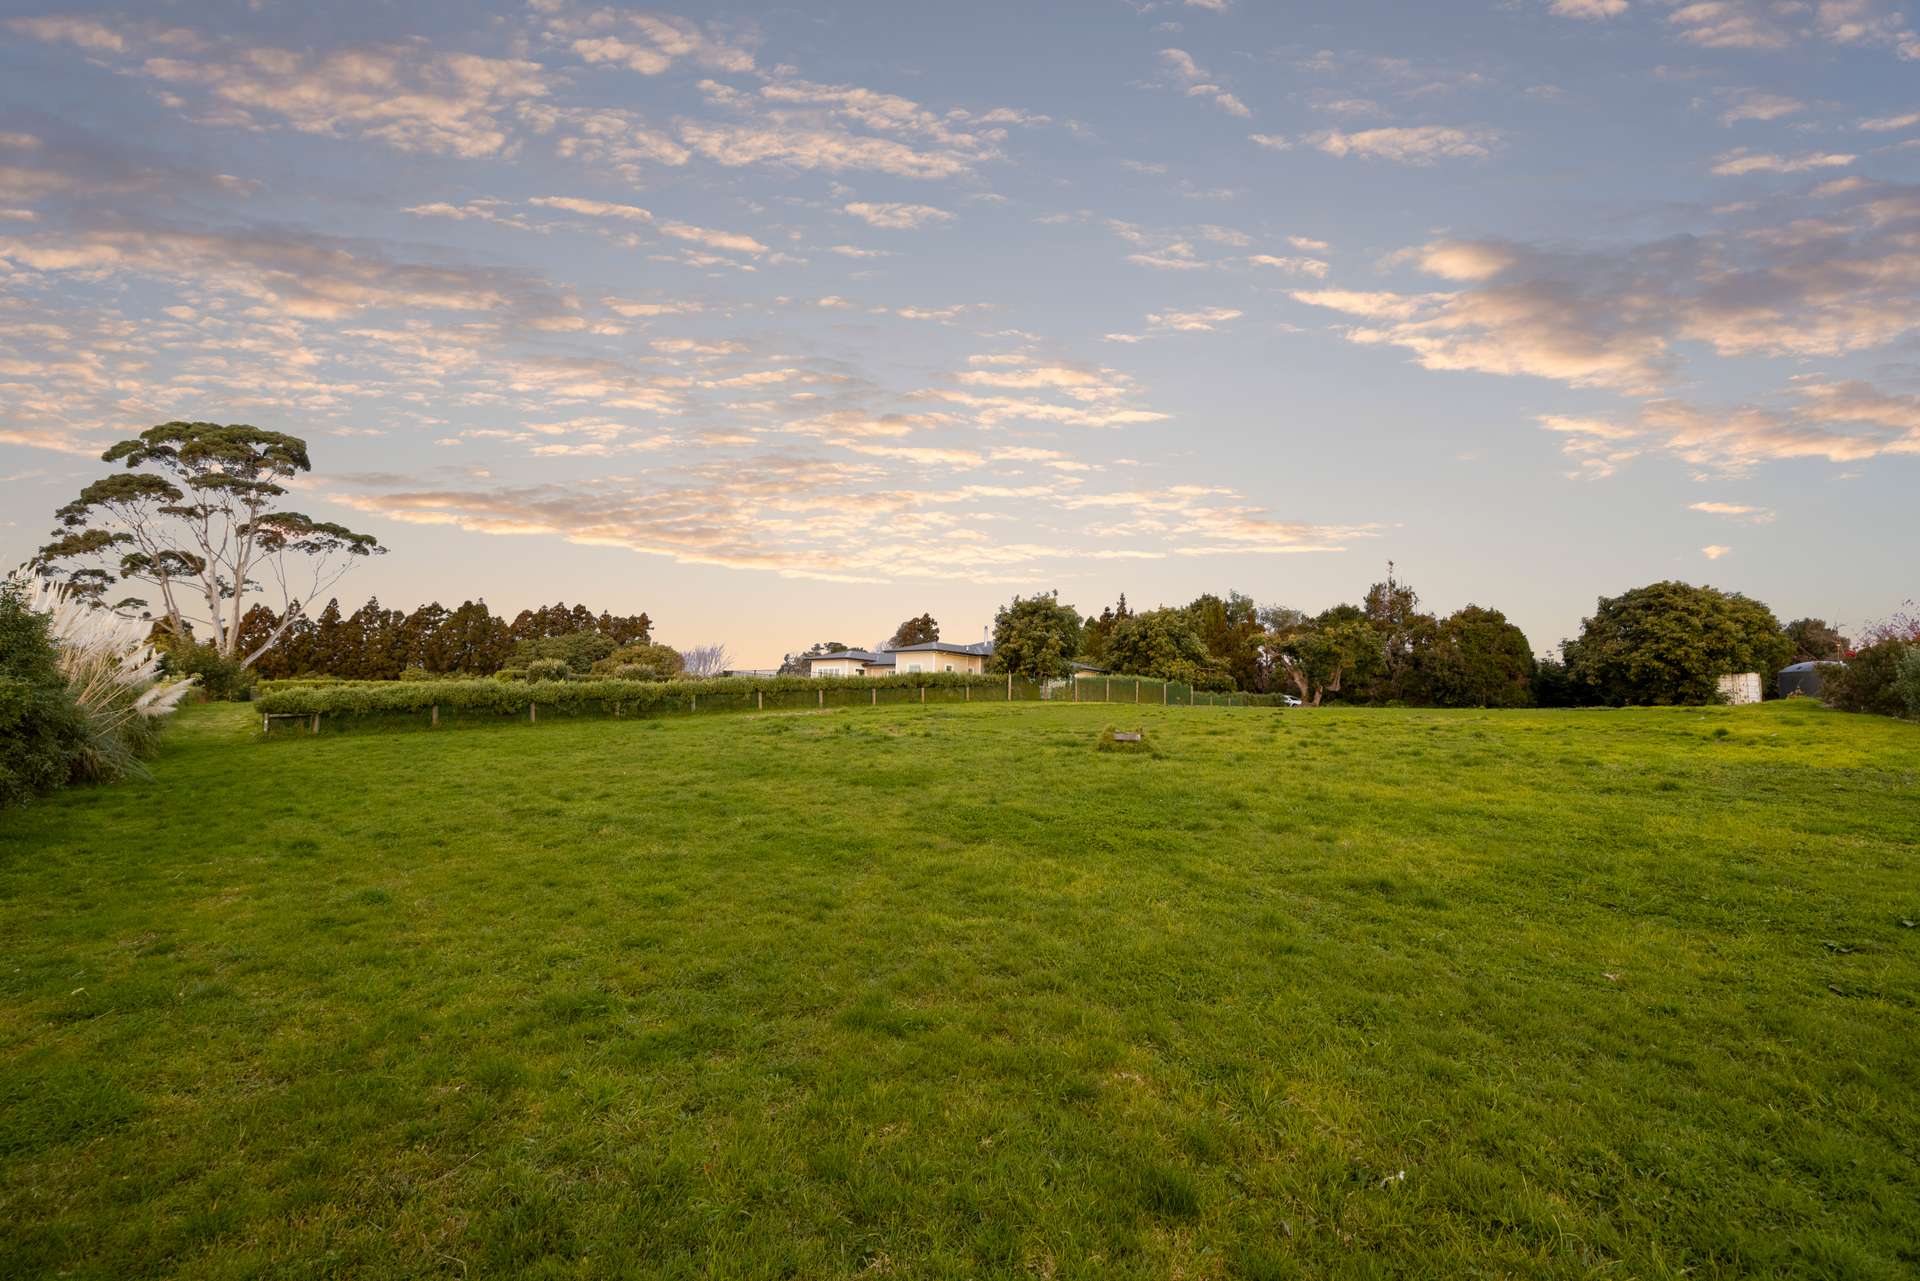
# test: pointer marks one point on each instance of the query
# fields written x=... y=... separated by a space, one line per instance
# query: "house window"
x=949 y=666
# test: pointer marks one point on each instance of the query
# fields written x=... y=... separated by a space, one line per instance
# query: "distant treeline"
x=376 y=643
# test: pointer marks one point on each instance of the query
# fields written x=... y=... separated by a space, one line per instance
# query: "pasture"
x=947 y=992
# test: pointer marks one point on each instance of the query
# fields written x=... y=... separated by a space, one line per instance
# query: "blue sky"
x=786 y=323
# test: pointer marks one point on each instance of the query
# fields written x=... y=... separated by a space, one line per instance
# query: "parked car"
x=1288 y=700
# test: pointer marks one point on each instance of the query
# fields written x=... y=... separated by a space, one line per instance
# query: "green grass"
x=949 y=992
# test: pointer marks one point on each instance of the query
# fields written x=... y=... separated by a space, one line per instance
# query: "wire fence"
x=1133 y=690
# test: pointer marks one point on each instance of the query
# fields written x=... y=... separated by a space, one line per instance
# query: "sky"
x=786 y=323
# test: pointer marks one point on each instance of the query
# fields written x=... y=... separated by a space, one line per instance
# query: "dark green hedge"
x=361 y=698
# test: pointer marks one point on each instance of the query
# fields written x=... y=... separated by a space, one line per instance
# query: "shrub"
x=511 y=674
x=1907 y=680
x=111 y=673
x=1870 y=682
x=661 y=662
x=41 y=731
x=635 y=672
x=367 y=698
x=418 y=674
x=548 y=669
x=578 y=650
x=221 y=679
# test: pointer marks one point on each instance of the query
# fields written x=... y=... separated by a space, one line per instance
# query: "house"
x=850 y=662
x=943 y=656
x=932 y=656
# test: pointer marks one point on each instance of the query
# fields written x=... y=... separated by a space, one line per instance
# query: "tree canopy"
x=1670 y=642
x=915 y=631
x=196 y=517
x=1164 y=643
x=1815 y=640
x=1036 y=637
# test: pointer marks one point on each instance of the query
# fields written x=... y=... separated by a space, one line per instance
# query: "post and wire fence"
x=309 y=708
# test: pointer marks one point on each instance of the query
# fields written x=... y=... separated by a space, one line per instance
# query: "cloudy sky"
x=784 y=323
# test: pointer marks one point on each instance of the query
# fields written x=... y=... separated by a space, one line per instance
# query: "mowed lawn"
x=945 y=992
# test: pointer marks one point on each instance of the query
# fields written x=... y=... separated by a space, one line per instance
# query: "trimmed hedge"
x=361 y=698
x=426 y=703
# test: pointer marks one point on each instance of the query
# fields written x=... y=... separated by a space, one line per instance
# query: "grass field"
x=946 y=992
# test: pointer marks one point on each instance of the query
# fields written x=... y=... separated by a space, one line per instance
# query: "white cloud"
x=409 y=96
x=647 y=43
x=642 y=310
x=1714 y=551
x=829 y=150
x=896 y=216
x=1298 y=266
x=1743 y=160
x=1414 y=145
x=1891 y=124
x=593 y=208
x=1740 y=511
x=1203 y=320
x=1756 y=104
x=724 y=241
x=1590 y=10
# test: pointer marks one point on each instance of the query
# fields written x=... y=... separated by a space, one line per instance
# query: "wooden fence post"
x=966 y=693
x=1009 y=687
x=436 y=716
x=1136 y=689
x=693 y=702
x=533 y=712
x=873 y=696
x=266 y=725
x=923 y=695
x=759 y=700
x=316 y=722
x=1163 y=692
x=823 y=696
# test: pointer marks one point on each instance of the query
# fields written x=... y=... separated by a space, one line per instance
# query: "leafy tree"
x=1551 y=685
x=915 y=631
x=196 y=517
x=1318 y=654
x=1871 y=680
x=1094 y=635
x=474 y=640
x=41 y=730
x=1476 y=658
x=1815 y=640
x=564 y=620
x=1406 y=634
x=1906 y=680
x=1036 y=637
x=1231 y=631
x=647 y=661
x=578 y=650
x=1164 y=643
x=1670 y=642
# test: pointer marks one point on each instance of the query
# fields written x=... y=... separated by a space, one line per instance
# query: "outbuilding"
x=1805 y=679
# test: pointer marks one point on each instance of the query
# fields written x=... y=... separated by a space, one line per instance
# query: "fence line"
x=580 y=704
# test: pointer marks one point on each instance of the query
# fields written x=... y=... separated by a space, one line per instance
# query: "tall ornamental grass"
x=113 y=679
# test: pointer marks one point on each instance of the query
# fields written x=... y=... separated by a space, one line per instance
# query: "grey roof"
x=857 y=655
x=983 y=648
x=1818 y=662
